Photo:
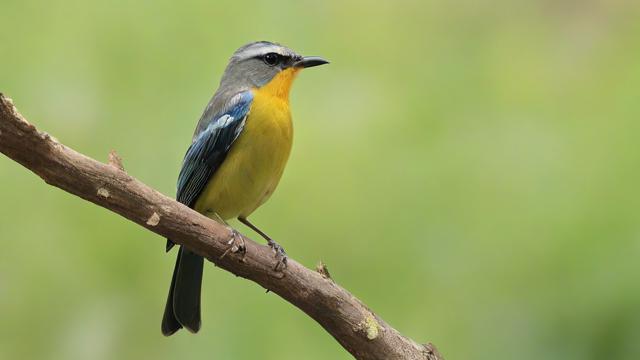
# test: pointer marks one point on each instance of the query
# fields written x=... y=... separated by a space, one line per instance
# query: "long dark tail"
x=183 y=302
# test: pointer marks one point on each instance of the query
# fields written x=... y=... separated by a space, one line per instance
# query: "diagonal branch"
x=361 y=332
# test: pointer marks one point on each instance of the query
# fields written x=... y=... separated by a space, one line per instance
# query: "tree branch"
x=347 y=319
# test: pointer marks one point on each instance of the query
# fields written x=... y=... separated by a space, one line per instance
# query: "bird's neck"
x=280 y=85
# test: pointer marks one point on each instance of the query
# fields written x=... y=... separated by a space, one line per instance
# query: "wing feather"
x=211 y=146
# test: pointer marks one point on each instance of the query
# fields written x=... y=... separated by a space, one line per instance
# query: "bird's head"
x=268 y=66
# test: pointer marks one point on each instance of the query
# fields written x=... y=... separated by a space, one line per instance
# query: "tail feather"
x=170 y=245
x=183 y=302
x=169 y=322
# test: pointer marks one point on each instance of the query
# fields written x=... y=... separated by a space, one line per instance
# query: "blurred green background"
x=469 y=169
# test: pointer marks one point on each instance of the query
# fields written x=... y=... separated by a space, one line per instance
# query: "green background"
x=470 y=170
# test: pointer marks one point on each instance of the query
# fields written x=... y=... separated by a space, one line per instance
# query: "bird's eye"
x=271 y=59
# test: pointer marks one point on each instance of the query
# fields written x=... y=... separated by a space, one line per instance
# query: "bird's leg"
x=236 y=241
x=281 y=255
x=236 y=244
x=218 y=218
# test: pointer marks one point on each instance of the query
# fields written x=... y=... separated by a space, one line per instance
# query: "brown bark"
x=361 y=332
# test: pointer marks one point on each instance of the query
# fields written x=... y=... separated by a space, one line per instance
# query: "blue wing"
x=211 y=146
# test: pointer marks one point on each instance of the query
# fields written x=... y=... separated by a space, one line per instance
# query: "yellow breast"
x=256 y=161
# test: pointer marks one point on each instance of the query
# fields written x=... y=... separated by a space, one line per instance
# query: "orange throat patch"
x=280 y=85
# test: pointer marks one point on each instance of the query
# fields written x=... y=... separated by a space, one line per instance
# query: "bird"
x=236 y=158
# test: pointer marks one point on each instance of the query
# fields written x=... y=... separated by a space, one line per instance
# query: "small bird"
x=239 y=150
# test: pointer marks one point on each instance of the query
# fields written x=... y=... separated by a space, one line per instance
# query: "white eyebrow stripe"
x=261 y=50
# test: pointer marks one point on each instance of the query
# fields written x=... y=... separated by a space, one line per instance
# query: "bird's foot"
x=236 y=244
x=281 y=255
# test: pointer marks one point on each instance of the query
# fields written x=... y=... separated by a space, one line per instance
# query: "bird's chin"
x=280 y=85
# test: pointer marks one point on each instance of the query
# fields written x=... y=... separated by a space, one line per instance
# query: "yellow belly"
x=255 y=163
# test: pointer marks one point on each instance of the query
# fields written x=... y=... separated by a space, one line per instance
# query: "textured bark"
x=361 y=332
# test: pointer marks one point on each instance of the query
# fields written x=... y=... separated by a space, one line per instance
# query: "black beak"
x=310 y=61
